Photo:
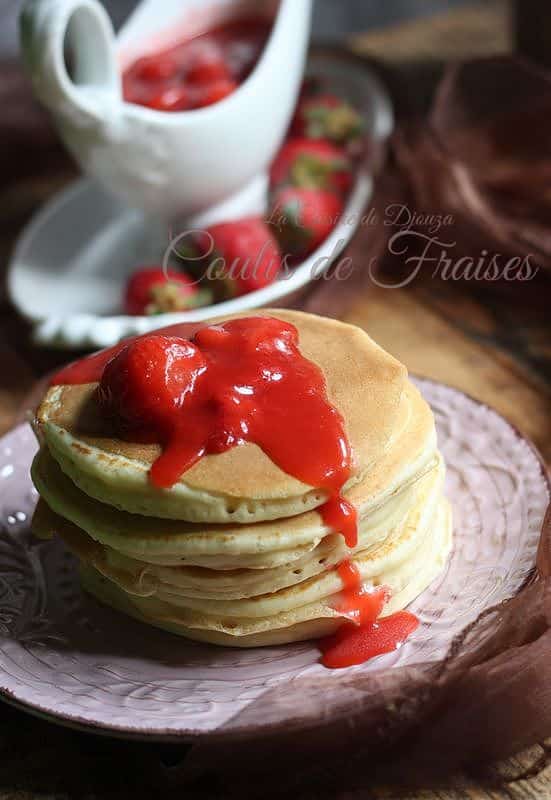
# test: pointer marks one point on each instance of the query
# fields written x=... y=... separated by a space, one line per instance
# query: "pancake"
x=243 y=485
x=396 y=528
x=260 y=545
x=312 y=620
x=400 y=551
x=238 y=552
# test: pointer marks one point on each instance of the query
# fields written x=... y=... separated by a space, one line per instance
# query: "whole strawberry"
x=242 y=255
x=312 y=164
x=326 y=116
x=305 y=217
x=152 y=290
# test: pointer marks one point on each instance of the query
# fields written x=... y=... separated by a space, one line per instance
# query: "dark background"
x=331 y=17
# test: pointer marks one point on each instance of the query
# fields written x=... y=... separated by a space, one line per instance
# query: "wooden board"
x=424 y=335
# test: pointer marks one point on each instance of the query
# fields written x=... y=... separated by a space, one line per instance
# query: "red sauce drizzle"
x=340 y=515
x=359 y=605
x=369 y=636
x=90 y=368
x=240 y=381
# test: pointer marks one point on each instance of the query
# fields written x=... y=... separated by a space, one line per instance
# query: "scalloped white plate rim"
x=89 y=330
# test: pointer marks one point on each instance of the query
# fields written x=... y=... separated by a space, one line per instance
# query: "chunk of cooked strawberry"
x=312 y=164
x=209 y=93
x=147 y=380
x=305 y=218
x=242 y=255
x=170 y=98
x=326 y=116
x=207 y=65
x=155 y=67
x=152 y=290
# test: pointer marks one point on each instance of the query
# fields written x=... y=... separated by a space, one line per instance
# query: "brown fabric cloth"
x=481 y=163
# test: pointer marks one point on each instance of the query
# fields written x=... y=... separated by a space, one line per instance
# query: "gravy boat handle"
x=55 y=33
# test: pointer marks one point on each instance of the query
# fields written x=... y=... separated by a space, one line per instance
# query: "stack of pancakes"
x=236 y=552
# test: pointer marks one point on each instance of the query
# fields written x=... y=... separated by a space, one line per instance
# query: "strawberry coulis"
x=241 y=381
x=199 y=390
x=198 y=70
x=365 y=636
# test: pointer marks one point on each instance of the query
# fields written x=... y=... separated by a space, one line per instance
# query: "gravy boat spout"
x=169 y=164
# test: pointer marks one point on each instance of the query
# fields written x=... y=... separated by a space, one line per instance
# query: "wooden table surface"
x=468 y=336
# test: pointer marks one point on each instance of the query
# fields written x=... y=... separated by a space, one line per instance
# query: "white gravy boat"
x=167 y=163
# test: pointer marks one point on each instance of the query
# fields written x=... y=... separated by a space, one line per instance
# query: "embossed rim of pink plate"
x=17 y=699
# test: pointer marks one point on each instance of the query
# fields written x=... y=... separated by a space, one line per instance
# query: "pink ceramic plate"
x=65 y=657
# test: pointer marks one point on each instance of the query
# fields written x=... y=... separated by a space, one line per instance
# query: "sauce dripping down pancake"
x=369 y=636
x=205 y=389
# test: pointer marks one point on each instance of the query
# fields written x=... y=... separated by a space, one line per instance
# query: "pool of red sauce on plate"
x=199 y=70
x=366 y=635
x=244 y=380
